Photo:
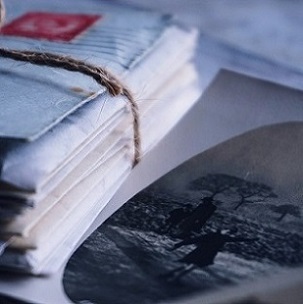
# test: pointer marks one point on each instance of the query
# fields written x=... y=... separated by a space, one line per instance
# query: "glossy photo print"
x=230 y=215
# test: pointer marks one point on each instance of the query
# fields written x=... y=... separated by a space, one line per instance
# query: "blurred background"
x=269 y=28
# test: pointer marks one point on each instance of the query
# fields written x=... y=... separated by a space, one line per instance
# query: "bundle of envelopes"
x=66 y=144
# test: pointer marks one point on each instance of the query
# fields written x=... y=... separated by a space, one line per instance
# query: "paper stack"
x=66 y=145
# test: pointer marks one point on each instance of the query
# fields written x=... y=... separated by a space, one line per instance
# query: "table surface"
x=270 y=28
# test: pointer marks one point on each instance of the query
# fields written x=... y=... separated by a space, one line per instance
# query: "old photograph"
x=230 y=215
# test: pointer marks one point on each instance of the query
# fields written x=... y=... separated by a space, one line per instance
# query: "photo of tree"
x=230 y=215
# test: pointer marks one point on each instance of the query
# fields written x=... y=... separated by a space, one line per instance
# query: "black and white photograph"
x=230 y=215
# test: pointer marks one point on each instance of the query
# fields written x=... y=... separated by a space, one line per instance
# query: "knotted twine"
x=102 y=76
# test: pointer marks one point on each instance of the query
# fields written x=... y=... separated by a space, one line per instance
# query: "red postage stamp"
x=50 y=26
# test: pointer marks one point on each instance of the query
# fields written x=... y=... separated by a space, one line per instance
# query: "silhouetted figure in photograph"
x=207 y=248
x=176 y=216
x=198 y=218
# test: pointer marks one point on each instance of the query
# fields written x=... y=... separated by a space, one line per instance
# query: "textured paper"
x=34 y=99
x=145 y=77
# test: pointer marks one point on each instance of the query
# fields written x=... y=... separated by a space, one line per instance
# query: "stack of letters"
x=66 y=145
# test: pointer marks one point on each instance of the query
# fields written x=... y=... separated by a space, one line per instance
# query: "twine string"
x=101 y=75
